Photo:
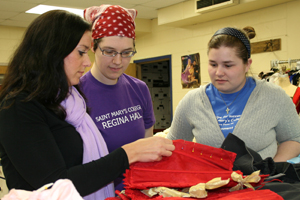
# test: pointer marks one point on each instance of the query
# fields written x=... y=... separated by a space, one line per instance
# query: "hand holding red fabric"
x=148 y=149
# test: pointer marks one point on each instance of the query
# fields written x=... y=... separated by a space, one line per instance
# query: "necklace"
x=227 y=109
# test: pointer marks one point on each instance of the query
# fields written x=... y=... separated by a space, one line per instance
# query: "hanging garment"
x=296 y=99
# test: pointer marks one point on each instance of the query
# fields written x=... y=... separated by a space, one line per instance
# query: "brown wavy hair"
x=37 y=66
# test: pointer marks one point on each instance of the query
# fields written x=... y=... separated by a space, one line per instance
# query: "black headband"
x=235 y=33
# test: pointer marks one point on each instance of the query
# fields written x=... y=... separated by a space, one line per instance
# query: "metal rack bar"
x=275 y=63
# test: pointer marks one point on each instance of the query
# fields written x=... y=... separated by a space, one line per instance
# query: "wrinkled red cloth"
x=246 y=194
x=190 y=164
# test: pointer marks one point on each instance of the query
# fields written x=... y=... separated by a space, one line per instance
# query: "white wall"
x=281 y=21
x=10 y=38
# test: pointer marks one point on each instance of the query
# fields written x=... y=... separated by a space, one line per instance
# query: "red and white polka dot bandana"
x=111 y=20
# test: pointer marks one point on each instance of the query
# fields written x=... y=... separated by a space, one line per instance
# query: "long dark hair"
x=37 y=66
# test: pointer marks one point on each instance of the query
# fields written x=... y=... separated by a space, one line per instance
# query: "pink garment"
x=94 y=146
x=185 y=75
x=62 y=189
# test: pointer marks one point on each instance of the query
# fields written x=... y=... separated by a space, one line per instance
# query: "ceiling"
x=168 y=12
x=12 y=12
x=184 y=13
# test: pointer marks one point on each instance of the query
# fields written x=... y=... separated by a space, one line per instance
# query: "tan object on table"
x=198 y=191
x=252 y=178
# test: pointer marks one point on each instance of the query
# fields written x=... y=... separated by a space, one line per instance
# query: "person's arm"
x=287 y=150
x=148 y=149
x=32 y=157
x=149 y=132
x=287 y=129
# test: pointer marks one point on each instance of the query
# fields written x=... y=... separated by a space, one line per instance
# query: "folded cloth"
x=62 y=189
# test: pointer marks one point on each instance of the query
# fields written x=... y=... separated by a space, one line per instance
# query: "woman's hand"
x=148 y=149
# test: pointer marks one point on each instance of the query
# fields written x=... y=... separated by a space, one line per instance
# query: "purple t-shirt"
x=121 y=112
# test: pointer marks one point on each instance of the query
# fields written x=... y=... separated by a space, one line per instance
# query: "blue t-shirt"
x=228 y=121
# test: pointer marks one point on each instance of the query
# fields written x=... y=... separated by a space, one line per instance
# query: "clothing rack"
x=275 y=63
x=292 y=71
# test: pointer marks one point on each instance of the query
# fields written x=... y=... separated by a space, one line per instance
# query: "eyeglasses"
x=112 y=53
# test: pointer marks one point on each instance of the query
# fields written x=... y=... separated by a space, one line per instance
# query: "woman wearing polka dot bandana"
x=120 y=105
x=258 y=112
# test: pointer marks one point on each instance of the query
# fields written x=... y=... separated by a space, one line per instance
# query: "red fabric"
x=296 y=99
x=221 y=194
x=111 y=20
x=190 y=164
x=121 y=196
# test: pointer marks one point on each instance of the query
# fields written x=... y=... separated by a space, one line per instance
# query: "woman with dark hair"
x=46 y=133
x=38 y=61
x=258 y=112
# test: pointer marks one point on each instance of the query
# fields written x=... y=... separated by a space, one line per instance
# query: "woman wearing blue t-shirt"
x=258 y=112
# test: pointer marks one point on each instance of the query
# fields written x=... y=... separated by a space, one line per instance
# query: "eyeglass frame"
x=116 y=53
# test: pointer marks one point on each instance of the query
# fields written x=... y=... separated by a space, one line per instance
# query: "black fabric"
x=291 y=171
x=288 y=191
x=295 y=80
x=38 y=148
x=247 y=160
